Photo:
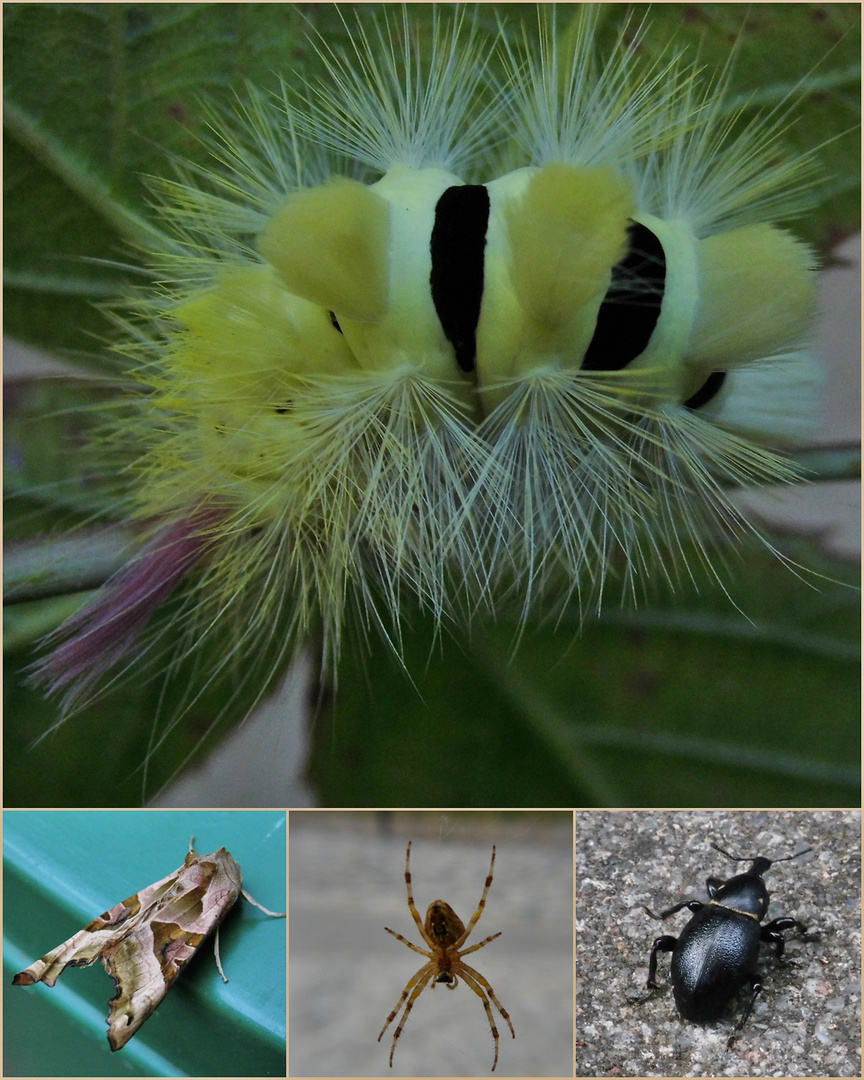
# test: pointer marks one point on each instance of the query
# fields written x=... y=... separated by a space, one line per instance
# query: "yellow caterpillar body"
x=467 y=337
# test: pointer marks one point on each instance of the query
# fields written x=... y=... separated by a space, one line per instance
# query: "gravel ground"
x=346 y=974
x=807 y=1022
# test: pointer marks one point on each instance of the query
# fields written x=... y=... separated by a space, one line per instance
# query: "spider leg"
x=478 y=990
x=415 y=914
x=428 y=969
x=479 y=945
x=405 y=941
x=420 y=981
x=465 y=971
x=480 y=906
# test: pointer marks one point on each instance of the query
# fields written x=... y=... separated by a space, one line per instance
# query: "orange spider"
x=444 y=933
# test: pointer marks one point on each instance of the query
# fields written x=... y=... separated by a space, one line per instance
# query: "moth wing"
x=89 y=944
x=80 y=951
x=144 y=961
x=200 y=893
x=141 y=978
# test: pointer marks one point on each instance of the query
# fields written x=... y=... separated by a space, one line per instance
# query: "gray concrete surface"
x=807 y=1022
x=346 y=973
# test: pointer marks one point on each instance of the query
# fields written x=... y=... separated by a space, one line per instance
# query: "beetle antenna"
x=786 y=858
x=752 y=858
x=734 y=858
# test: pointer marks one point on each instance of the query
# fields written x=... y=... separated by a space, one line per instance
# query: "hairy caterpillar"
x=449 y=333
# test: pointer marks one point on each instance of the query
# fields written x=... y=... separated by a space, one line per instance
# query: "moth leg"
x=218 y=957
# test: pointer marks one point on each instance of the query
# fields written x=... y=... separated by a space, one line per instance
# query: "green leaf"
x=97 y=97
x=122 y=749
x=807 y=56
x=57 y=473
x=683 y=703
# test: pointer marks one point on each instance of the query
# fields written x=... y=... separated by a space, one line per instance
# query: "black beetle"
x=718 y=949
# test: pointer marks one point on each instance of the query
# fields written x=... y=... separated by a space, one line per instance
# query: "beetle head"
x=746 y=892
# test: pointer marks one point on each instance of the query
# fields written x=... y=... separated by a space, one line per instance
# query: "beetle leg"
x=787 y=924
x=779 y=942
x=773 y=932
x=755 y=982
x=784 y=923
x=663 y=944
x=693 y=905
x=713 y=885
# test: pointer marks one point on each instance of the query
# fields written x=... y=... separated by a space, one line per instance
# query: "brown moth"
x=146 y=941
